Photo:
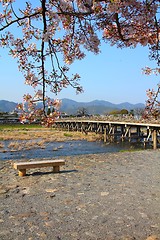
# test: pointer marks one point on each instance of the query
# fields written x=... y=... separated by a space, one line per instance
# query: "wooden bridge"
x=147 y=133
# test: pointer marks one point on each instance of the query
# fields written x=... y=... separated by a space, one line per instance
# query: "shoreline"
x=110 y=196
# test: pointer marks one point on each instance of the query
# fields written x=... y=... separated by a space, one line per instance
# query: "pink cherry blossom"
x=53 y=30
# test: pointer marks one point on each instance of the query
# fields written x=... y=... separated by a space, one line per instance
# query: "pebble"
x=112 y=196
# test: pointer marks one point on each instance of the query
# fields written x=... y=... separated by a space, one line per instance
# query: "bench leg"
x=22 y=172
x=56 y=169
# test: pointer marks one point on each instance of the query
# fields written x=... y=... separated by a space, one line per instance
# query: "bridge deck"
x=154 y=125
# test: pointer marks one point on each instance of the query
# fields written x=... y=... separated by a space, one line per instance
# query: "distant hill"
x=6 y=106
x=95 y=107
x=70 y=106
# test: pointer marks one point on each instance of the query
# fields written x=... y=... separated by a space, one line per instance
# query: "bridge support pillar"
x=105 y=135
x=154 y=139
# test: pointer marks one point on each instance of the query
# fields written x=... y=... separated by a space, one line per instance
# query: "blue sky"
x=114 y=75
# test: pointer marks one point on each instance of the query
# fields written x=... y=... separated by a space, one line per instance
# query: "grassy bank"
x=35 y=136
x=26 y=132
x=19 y=126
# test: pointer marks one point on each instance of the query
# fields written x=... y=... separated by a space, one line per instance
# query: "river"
x=67 y=148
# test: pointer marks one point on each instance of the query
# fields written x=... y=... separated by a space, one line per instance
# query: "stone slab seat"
x=22 y=166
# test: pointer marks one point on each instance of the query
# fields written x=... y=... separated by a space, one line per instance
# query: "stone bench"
x=22 y=166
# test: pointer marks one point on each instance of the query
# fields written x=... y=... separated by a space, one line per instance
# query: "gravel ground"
x=114 y=196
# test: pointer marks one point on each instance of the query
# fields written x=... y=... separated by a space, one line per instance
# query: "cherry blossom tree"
x=48 y=35
x=152 y=109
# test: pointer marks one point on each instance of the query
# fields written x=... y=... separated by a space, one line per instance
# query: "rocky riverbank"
x=112 y=196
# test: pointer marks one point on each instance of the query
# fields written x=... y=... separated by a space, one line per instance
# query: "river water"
x=69 y=148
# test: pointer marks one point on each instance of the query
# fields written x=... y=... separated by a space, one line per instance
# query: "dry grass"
x=15 y=145
x=25 y=145
x=38 y=138
x=46 y=135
